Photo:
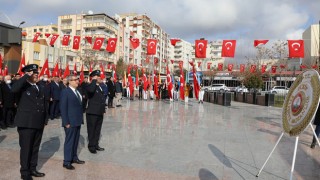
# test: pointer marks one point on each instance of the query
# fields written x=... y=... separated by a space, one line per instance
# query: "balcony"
x=66 y=27
x=100 y=25
x=65 y=17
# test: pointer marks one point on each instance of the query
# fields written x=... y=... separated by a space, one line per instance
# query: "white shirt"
x=76 y=92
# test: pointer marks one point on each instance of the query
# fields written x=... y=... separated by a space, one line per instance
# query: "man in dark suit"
x=72 y=117
x=95 y=111
x=7 y=98
x=55 y=97
x=30 y=120
x=45 y=85
x=111 y=92
x=84 y=93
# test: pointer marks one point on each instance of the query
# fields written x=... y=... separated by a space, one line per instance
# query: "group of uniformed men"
x=28 y=103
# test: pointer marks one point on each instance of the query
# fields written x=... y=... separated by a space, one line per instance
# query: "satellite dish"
x=90 y=12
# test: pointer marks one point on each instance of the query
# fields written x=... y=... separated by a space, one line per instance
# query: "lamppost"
x=21 y=23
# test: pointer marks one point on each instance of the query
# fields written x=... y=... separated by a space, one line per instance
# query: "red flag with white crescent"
x=296 y=48
x=230 y=67
x=242 y=67
x=112 y=44
x=220 y=66
x=263 y=68
x=45 y=69
x=22 y=64
x=259 y=42
x=36 y=36
x=253 y=68
x=151 y=46
x=195 y=83
x=81 y=74
x=89 y=39
x=102 y=75
x=155 y=87
x=174 y=41
x=169 y=83
x=53 y=39
x=55 y=72
x=65 y=40
x=228 y=48
x=201 y=48
x=67 y=71
x=135 y=42
x=98 y=43
x=273 y=69
x=76 y=42
x=75 y=69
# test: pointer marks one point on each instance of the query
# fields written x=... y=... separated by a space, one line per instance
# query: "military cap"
x=30 y=67
x=95 y=73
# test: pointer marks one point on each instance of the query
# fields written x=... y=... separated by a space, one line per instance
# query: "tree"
x=253 y=81
x=121 y=67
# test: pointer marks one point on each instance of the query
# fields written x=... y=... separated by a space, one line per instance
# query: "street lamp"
x=21 y=23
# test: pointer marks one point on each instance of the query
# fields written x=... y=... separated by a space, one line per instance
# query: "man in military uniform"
x=45 y=85
x=95 y=111
x=30 y=120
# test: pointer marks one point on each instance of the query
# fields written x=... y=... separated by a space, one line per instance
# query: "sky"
x=185 y=19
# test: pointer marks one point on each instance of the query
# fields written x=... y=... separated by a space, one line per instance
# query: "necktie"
x=78 y=96
x=35 y=86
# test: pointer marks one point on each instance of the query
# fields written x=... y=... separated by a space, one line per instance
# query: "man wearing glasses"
x=95 y=111
x=72 y=118
x=30 y=120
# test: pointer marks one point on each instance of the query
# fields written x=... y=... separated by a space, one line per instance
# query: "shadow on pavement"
x=205 y=174
x=48 y=149
x=2 y=138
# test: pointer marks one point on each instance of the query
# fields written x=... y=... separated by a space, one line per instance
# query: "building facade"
x=311 y=45
x=29 y=32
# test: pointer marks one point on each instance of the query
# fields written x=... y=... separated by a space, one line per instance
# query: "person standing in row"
x=201 y=93
x=45 y=85
x=95 y=111
x=30 y=120
x=72 y=118
x=119 y=90
x=8 y=100
x=55 y=91
x=111 y=92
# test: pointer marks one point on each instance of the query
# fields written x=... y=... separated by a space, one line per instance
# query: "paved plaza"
x=163 y=140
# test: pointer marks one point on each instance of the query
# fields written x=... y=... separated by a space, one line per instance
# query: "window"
x=36 y=55
x=34 y=30
x=40 y=29
x=120 y=39
x=78 y=32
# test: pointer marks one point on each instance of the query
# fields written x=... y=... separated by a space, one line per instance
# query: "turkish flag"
x=147 y=59
x=5 y=71
x=228 y=48
x=151 y=46
x=182 y=83
x=114 y=73
x=66 y=72
x=180 y=64
x=135 y=42
x=53 y=39
x=195 y=83
x=242 y=67
x=137 y=75
x=201 y=48
x=315 y=66
x=22 y=64
x=253 y=68
x=45 y=69
x=220 y=66
x=172 y=61
x=98 y=43
x=258 y=42
x=174 y=41
x=155 y=60
x=155 y=87
x=75 y=69
x=263 y=68
x=164 y=61
x=199 y=64
x=169 y=83
x=273 y=69
x=65 y=40
x=102 y=76
x=55 y=72
x=81 y=74
x=282 y=66
x=303 y=66
x=130 y=81
x=209 y=65
x=89 y=39
x=47 y=35
x=112 y=44
x=76 y=42
x=230 y=67
x=296 y=48
x=35 y=38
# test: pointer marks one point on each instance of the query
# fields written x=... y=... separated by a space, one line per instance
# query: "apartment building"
x=182 y=51
x=29 y=32
x=311 y=45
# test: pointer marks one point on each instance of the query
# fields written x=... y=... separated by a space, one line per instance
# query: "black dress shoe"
x=36 y=173
x=93 y=151
x=26 y=177
x=69 y=166
x=78 y=161
x=99 y=148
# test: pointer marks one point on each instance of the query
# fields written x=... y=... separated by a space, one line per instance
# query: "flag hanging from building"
x=76 y=42
x=98 y=43
x=220 y=66
x=263 y=68
x=199 y=64
x=296 y=48
x=151 y=46
x=47 y=35
x=172 y=61
x=228 y=48
x=253 y=68
x=53 y=39
x=273 y=69
x=174 y=41
x=303 y=66
x=209 y=65
x=135 y=42
x=230 y=67
x=156 y=60
x=89 y=39
x=36 y=36
x=242 y=68
x=112 y=44
x=201 y=48
x=259 y=42
x=65 y=40
x=45 y=69
x=282 y=66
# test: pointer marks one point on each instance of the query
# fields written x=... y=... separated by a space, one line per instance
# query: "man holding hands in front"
x=72 y=117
